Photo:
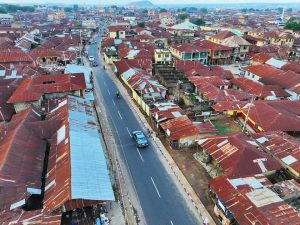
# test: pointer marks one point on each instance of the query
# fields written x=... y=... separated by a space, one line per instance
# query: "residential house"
x=260 y=91
x=260 y=58
x=162 y=112
x=166 y=19
x=220 y=36
x=162 y=56
x=259 y=41
x=117 y=31
x=280 y=38
x=258 y=72
x=236 y=155
x=250 y=200
x=190 y=52
x=35 y=90
x=218 y=54
x=284 y=148
x=289 y=81
x=239 y=46
x=6 y=19
x=182 y=132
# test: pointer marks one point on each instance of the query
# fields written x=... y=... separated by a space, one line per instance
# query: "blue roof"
x=89 y=173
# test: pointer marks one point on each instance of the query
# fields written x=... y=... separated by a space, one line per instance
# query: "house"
x=250 y=200
x=258 y=72
x=166 y=19
x=185 y=28
x=35 y=90
x=280 y=38
x=284 y=148
x=45 y=56
x=236 y=155
x=190 y=52
x=162 y=56
x=182 y=132
x=259 y=41
x=117 y=31
x=283 y=115
x=289 y=81
x=260 y=91
x=260 y=58
x=218 y=54
x=15 y=58
x=162 y=112
x=6 y=19
x=220 y=36
x=77 y=172
x=239 y=46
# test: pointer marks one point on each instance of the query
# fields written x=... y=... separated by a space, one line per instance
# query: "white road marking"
x=128 y=132
x=108 y=91
x=171 y=222
x=120 y=115
x=114 y=102
x=155 y=187
x=105 y=84
x=140 y=154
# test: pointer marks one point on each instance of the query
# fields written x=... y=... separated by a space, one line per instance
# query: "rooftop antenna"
x=282 y=15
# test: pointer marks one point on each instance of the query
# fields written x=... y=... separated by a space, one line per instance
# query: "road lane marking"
x=120 y=115
x=155 y=187
x=128 y=132
x=108 y=91
x=105 y=84
x=140 y=154
x=171 y=222
x=114 y=102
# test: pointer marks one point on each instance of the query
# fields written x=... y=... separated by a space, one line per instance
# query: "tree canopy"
x=141 y=24
x=162 y=10
x=292 y=24
x=183 y=16
x=199 y=22
x=203 y=10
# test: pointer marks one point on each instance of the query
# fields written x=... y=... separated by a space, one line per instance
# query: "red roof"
x=287 y=80
x=230 y=105
x=212 y=46
x=259 y=89
x=238 y=155
x=223 y=35
x=283 y=115
x=116 y=28
x=283 y=146
x=179 y=127
x=212 y=93
x=250 y=201
x=189 y=48
x=32 y=89
x=165 y=111
x=262 y=71
x=215 y=80
x=292 y=66
x=15 y=57
x=262 y=57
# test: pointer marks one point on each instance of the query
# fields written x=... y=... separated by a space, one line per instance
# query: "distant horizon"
x=155 y=2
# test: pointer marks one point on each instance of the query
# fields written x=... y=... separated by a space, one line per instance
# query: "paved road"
x=160 y=199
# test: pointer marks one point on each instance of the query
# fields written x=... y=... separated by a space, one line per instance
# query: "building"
x=117 y=31
x=218 y=54
x=166 y=19
x=190 y=52
x=239 y=46
x=162 y=56
x=258 y=72
x=6 y=19
x=35 y=90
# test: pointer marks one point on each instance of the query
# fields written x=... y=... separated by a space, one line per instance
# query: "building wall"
x=162 y=57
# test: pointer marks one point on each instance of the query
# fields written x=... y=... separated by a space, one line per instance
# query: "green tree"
x=68 y=9
x=145 y=11
x=203 y=10
x=2 y=11
x=199 y=22
x=292 y=24
x=244 y=10
x=183 y=16
x=162 y=10
x=141 y=24
x=75 y=7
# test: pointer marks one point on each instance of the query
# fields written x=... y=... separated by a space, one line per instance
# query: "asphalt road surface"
x=161 y=201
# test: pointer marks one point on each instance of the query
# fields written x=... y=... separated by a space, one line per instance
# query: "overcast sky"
x=153 y=1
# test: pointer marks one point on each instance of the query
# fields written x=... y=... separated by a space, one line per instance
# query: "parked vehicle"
x=91 y=58
x=140 y=139
x=94 y=64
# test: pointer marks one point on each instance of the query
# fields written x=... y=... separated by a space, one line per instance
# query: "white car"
x=91 y=58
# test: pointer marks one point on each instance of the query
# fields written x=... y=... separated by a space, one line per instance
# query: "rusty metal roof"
x=238 y=155
x=77 y=166
x=251 y=201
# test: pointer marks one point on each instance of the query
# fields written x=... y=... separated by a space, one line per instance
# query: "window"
x=159 y=56
x=49 y=82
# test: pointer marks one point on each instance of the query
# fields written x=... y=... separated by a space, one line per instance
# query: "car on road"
x=91 y=58
x=94 y=64
x=140 y=139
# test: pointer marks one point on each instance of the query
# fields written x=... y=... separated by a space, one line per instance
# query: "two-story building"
x=190 y=52
x=162 y=56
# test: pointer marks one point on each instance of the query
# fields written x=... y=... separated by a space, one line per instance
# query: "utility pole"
x=247 y=116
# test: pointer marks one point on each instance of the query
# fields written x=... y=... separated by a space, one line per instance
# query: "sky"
x=102 y=2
